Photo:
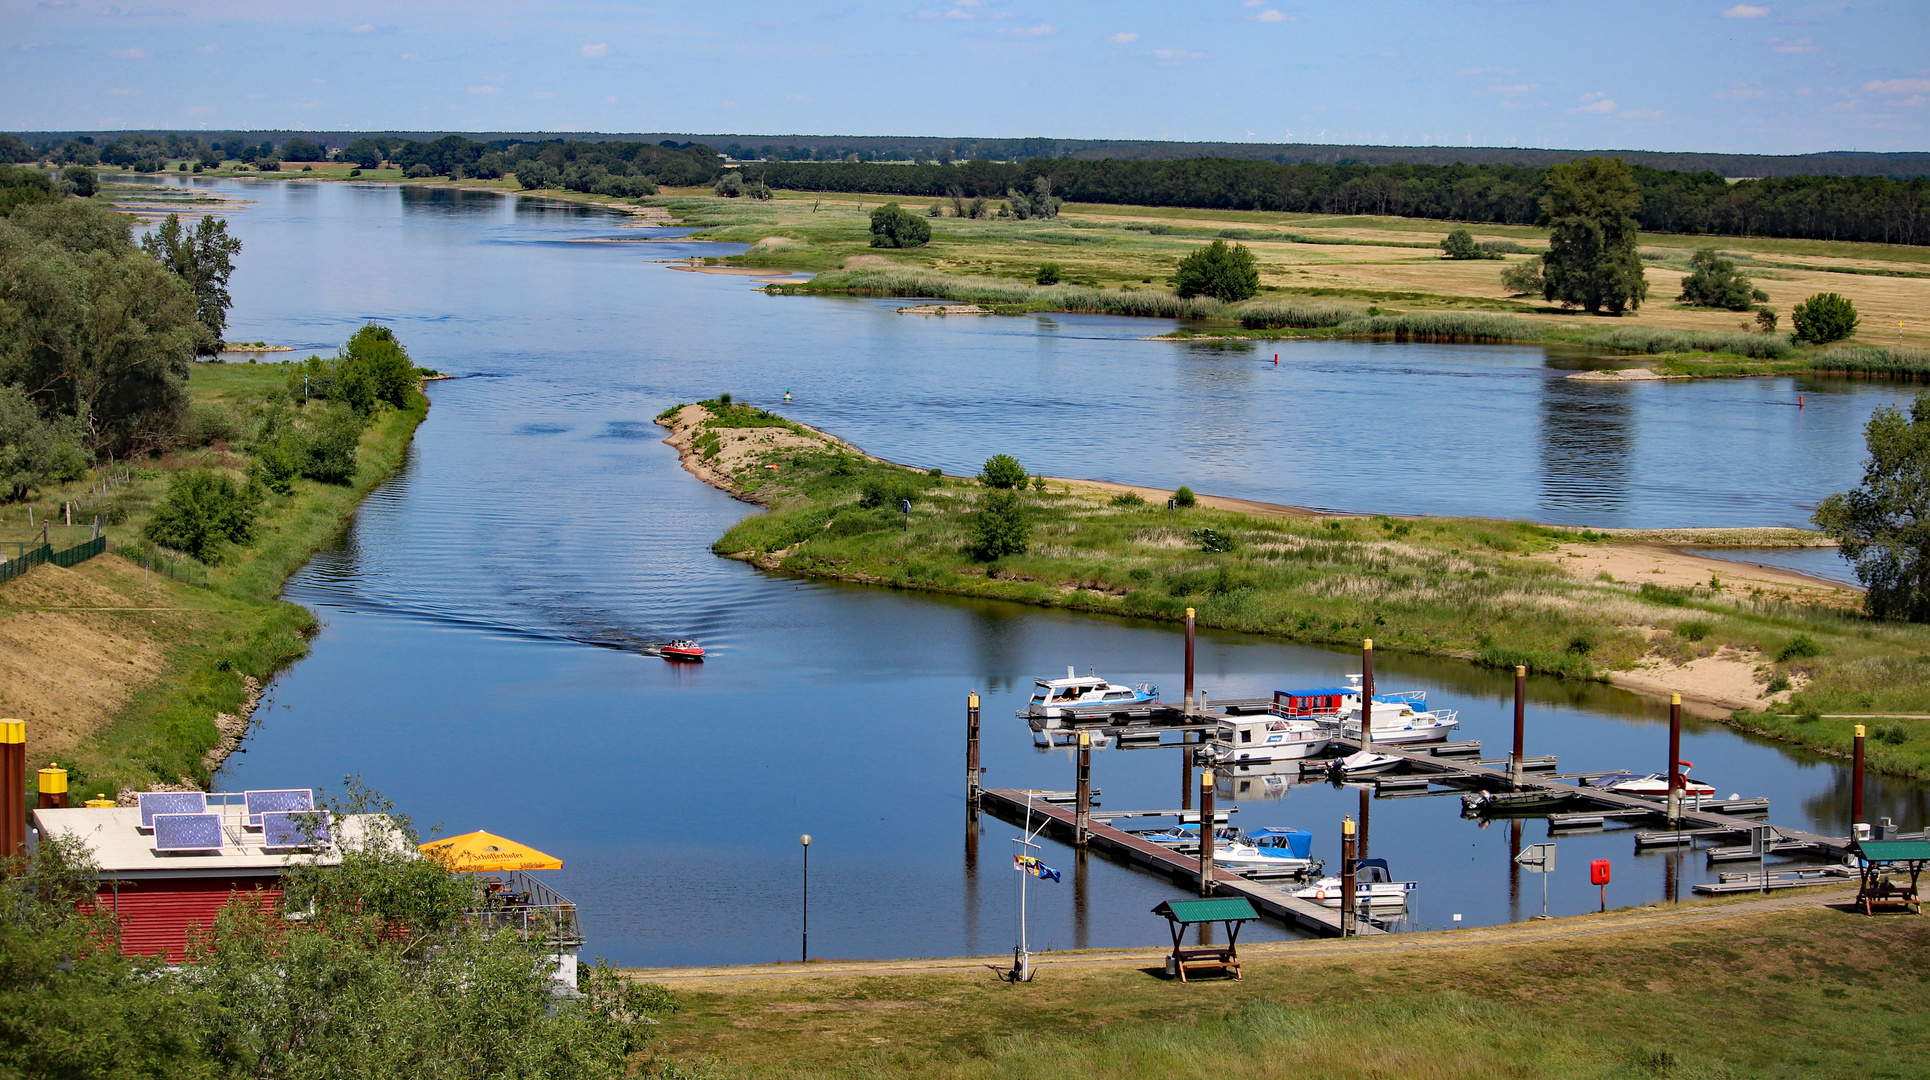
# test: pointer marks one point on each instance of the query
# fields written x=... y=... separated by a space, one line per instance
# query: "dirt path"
x=1631 y=920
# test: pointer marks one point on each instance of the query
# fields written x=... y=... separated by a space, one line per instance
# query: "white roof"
x=122 y=850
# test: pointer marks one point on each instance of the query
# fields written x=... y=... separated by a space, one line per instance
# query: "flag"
x=1027 y=864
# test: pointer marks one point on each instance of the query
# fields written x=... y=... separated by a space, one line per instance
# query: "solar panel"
x=187 y=832
x=170 y=802
x=298 y=829
x=276 y=802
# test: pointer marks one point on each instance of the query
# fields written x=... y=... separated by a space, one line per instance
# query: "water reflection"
x=1585 y=442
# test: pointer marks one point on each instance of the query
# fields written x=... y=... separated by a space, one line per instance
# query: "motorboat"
x=1399 y=719
x=1086 y=696
x=1651 y=786
x=1513 y=803
x=1264 y=738
x=1265 y=851
x=1374 y=885
x=683 y=650
x=1365 y=763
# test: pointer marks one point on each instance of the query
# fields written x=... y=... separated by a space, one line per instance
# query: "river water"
x=472 y=664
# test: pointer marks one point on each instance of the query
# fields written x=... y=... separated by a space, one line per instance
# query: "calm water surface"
x=472 y=665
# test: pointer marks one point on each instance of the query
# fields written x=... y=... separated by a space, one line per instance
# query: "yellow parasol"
x=480 y=852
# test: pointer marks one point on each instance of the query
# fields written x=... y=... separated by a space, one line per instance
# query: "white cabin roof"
x=121 y=850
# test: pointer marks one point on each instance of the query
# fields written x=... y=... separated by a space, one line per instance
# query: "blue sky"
x=1766 y=77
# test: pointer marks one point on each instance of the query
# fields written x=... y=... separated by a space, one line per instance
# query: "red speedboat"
x=682 y=649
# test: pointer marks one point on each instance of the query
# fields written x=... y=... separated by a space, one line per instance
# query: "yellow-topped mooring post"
x=1348 y=874
x=1675 y=759
x=1366 y=693
x=52 y=788
x=1206 y=832
x=13 y=788
x=1189 y=660
x=1082 y=806
x=1856 y=781
x=1521 y=722
x=972 y=773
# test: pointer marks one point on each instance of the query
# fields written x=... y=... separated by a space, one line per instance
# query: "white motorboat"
x=1374 y=885
x=1087 y=695
x=1399 y=719
x=1365 y=763
x=1269 y=851
x=1651 y=786
x=1264 y=738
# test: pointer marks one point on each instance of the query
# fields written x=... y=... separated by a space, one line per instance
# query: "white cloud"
x=208 y=48
x=1270 y=15
x=1745 y=11
x=131 y=54
x=1123 y=38
x=1743 y=91
x=138 y=13
x=54 y=5
x=1596 y=102
x=596 y=50
x=485 y=89
x=1800 y=45
x=361 y=28
x=1178 y=54
x=1899 y=86
x=959 y=13
x=1040 y=30
x=1515 y=88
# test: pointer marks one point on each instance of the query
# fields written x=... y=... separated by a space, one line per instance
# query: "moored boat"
x=1086 y=695
x=1263 y=739
x=1651 y=786
x=1374 y=885
x=1364 y=763
x=1399 y=719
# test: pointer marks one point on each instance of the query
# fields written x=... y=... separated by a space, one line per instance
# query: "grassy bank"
x=191 y=649
x=1494 y=593
x=1806 y=993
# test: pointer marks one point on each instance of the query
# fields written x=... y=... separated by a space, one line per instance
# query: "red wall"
x=155 y=915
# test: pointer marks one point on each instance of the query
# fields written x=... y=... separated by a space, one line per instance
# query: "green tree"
x=332 y=446
x=730 y=185
x=1592 y=261
x=203 y=509
x=35 y=451
x=1523 y=278
x=1824 y=318
x=1460 y=244
x=1002 y=471
x=1217 y=270
x=1048 y=274
x=1883 y=527
x=204 y=257
x=379 y=367
x=892 y=227
x=1713 y=281
x=1184 y=496
x=999 y=527
x=79 y=180
x=19 y=186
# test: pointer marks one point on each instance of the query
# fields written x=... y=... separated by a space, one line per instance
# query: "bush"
x=1216 y=270
x=203 y=509
x=1524 y=278
x=1694 y=629
x=377 y=358
x=886 y=492
x=1778 y=683
x=415 y=172
x=1048 y=274
x=1003 y=471
x=209 y=421
x=1214 y=540
x=1128 y=498
x=892 y=227
x=1824 y=318
x=279 y=461
x=1460 y=244
x=1714 y=282
x=1800 y=647
x=999 y=527
x=730 y=185
x=331 y=450
x=34 y=451
x=1184 y=496
x=1893 y=734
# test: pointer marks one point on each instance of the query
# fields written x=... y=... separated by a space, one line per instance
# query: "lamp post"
x=804 y=943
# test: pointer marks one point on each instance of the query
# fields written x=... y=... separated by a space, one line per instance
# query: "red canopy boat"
x=682 y=649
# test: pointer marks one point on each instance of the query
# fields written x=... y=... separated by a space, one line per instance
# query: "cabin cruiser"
x=1651 y=786
x=1087 y=695
x=1399 y=719
x=1265 y=851
x=1374 y=885
x=1264 y=738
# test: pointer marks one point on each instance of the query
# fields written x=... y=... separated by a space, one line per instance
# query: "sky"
x=1764 y=77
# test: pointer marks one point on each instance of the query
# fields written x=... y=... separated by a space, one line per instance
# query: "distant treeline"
x=1866 y=208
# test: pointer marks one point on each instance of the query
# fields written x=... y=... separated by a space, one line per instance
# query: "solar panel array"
x=170 y=802
x=298 y=829
x=187 y=832
x=276 y=802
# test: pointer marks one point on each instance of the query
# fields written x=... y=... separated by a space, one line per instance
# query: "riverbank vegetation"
x=1494 y=593
x=1734 y=990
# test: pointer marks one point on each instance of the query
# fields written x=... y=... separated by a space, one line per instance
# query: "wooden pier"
x=1011 y=805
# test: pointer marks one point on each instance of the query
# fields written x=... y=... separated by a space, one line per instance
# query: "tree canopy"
x=1713 y=281
x=1883 y=526
x=1223 y=272
x=203 y=257
x=1592 y=260
x=895 y=227
x=1824 y=318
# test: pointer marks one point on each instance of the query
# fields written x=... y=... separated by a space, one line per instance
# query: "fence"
x=27 y=558
x=164 y=562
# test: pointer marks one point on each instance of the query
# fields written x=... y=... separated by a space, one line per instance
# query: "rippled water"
x=474 y=668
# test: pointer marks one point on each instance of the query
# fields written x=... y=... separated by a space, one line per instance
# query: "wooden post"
x=52 y=788
x=971 y=752
x=1189 y=660
x=1366 y=802
x=1856 y=781
x=1521 y=720
x=1347 y=877
x=1186 y=772
x=1675 y=758
x=1367 y=694
x=13 y=788
x=1082 y=807
x=1206 y=832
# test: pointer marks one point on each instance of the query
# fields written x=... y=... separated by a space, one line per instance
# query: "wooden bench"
x=1878 y=859
x=1233 y=912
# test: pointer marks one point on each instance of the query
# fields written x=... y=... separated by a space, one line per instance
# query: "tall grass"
x=1295 y=314
x=1659 y=340
x=896 y=281
x=1875 y=360
x=1444 y=326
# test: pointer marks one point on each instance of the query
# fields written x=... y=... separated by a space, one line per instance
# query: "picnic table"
x=1234 y=912
x=1878 y=861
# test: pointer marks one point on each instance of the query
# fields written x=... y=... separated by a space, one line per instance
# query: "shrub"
x=1893 y=734
x=1694 y=629
x=1128 y=498
x=730 y=185
x=1048 y=274
x=892 y=227
x=887 y=492
x=279 y=461
x=34 y=451
x=1002 y=471
x=1523 y=278
x=1778 y=683
x=1714 y=282
x=1824 y=318
x=936 y=473
x=1766 y=320
x=1800 y=647
x=1662 y=594
x=1460 y=244
x=999 y=527
x=209 y=421
x=1216 y=270
x=331 y=451
x=1213 y=540
x=380 y=361
x=1184 y=496
x=203 y=509
x=415 y=172
x=1581 y=644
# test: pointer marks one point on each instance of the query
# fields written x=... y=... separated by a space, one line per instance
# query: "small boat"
x=1373 y=884
x=1512 y=803
x=1087 y=695
x=1263 y=739
x=1365 y=763
x=1268 y=851
x=1399 y=719
x=682 y=649
x=1652 y=786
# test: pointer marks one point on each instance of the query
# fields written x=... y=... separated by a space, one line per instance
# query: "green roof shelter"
x=1880 y=860
x=1234 y=912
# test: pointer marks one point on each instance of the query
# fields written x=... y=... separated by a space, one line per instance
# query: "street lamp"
x=804 y=944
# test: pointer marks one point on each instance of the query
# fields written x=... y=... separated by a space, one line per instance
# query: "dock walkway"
x=1278 y=903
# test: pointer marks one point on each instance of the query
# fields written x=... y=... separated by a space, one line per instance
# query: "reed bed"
x=1296 y=314
x=1659 y=340
x=1875 y=360
x=1449 y=327
x=896 y=281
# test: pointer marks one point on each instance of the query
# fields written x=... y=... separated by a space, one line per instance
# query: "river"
x=472 y=669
